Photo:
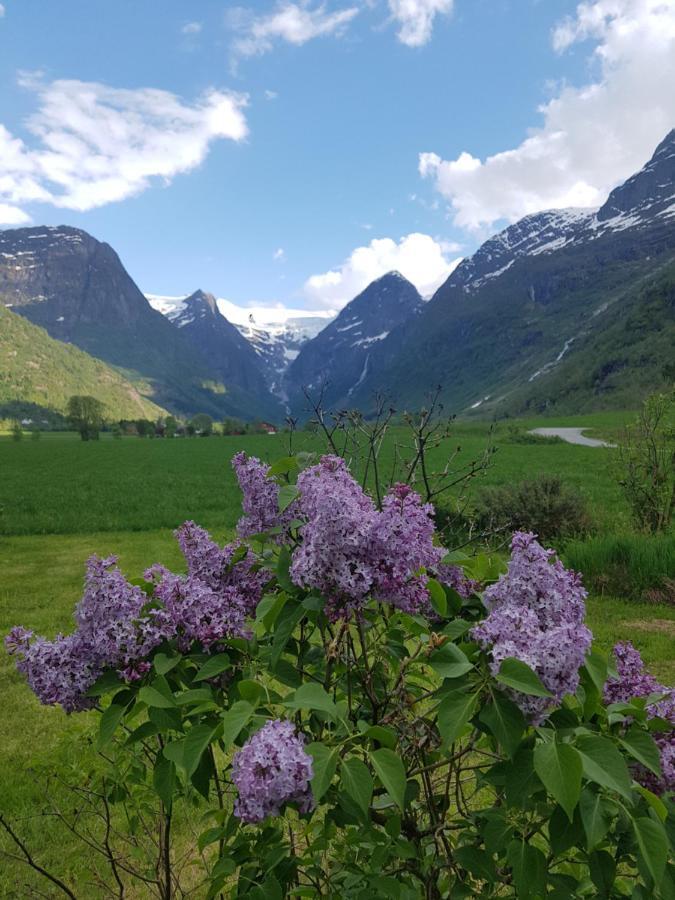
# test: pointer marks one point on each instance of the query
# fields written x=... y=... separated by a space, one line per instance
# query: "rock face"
x=534 y=300
x=341 y=357
x=76 y=288
x=222 y=345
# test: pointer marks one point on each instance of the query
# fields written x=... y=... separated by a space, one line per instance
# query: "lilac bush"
x=270 y=770
x=536 y=614
x=309 y=671
x=634 y=681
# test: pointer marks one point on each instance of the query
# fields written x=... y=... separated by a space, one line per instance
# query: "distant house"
x=267 y=428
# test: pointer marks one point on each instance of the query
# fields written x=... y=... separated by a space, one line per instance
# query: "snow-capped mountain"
x=516 y=323
x=340 y=357
x=275 y=333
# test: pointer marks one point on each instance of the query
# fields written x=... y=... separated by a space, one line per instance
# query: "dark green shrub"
x=545 y=505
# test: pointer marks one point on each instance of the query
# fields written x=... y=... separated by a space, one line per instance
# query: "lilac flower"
x=271 y=769
x=260 y=500
x=402 y=543
x=199 y=613
x=536 y=614
x=113 y=632
x=111 y=620
x=634 y=681
x=335 y=555
x=215 y=565
x=58 y=671
x=455 y=578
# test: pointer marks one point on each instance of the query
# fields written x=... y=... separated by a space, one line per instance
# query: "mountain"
x=276 y=333
x=228 y=353
x=525 y=323
x=76 y=287
x=38 y=375
x=341 y=357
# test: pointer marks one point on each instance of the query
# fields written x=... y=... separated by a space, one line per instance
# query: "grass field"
x=62 y=500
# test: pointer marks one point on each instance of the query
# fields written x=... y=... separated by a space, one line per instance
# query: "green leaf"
x=385 y=736
x=288 y=618
x=602 y=869
x=325 y=764
x=449 y=661
x=596 y=666
x=357 y=782
x=108 y=682
x=234 y=719
x=528 y=865
x=640 y=744
x=454 y=714
x=603 y=764
x=655 y=802
x=437 y=596
x=195 y=742
x=476 y=861
x=559 y=768
x=564 y=834
x=153 y=697
x=312 y=696
x=516 y=674
x=652 y=845
x=164 y=663
x=164 y=780
x=283 y=466
x=287 y=494
x=251 y=691
x=596 y=815
x=390 y=770
x=505 y=721
x=213 y=666
x=283 y=570
x=108 y=724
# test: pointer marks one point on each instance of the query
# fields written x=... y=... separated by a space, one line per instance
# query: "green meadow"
x=62 y=500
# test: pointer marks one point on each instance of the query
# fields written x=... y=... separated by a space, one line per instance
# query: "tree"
x=646 y=463
x=17 y=432
x=170 y=426
x=202 y=424
x=145 y=428
x=85 y=415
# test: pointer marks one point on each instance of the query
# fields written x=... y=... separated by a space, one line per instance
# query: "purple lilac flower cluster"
x=271 y=769
x=454 y=577
x=634 y=681
x=117 y=627
x=350 y=550
x=260 y=497
x=112 y=631
x=536 y=614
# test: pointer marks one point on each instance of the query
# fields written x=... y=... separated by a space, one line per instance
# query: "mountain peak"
x=651 y=191
x=202 y=300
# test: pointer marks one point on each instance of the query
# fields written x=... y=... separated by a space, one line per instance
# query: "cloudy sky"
x=290 y=152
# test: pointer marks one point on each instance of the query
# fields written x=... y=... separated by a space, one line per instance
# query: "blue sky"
x=286 y=137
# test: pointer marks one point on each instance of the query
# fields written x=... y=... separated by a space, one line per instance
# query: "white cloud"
x=271 y=95
x=93 y=144
x=192 y=28
x=592 y=137
x=295 y=23
x=279 y=255
x=416 y=18
x=2 y=11
x=12 y=215
x=418 y=257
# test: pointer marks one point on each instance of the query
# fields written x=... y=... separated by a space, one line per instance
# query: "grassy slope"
x=36 y=369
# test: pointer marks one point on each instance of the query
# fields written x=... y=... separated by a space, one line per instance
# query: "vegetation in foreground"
x=42 y=575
